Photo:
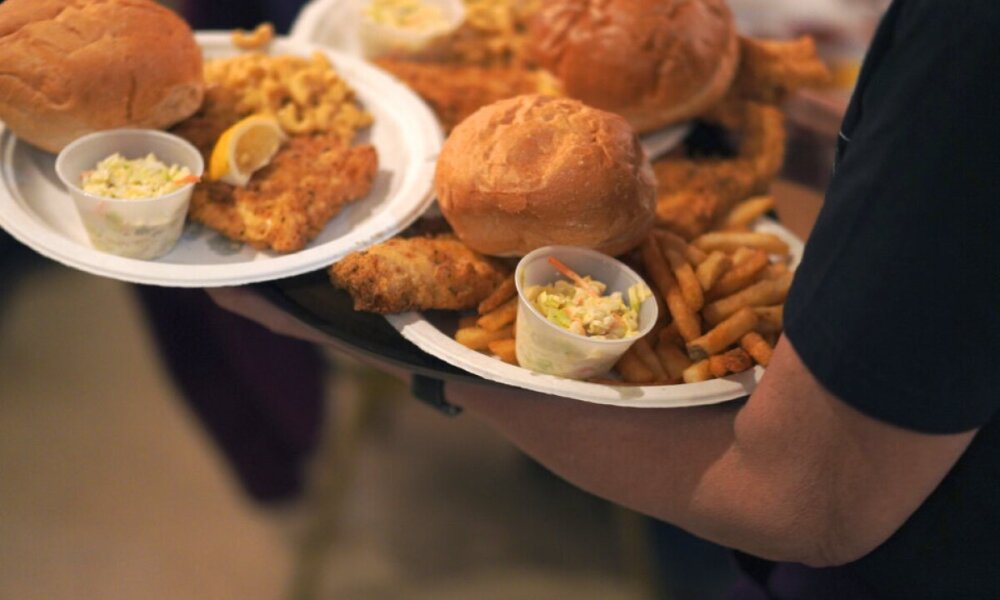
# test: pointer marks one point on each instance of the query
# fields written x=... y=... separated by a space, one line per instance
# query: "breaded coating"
x=290 y=201
x=770 y=70
x=456 y=91
x=419 y=273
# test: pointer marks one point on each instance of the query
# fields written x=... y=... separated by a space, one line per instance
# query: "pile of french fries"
x=721 y=298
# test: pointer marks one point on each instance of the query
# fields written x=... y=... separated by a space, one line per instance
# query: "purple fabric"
x=258 y=394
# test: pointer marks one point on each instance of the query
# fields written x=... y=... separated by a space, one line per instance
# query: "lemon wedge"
x=244 y=148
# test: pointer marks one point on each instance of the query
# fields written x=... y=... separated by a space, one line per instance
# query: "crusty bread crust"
x=70 y=67
x=534 y=170
x=655 y=62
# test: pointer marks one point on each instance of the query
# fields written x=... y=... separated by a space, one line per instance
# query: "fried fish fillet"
x=770 y=70
x=418 y=273
x=456 y=91
x=287 y=203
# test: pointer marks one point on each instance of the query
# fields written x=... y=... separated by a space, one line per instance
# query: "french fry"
x=477 y=338
x=645 y=353
x=686 y=279
x=712 y=268
x=504 y=350
x=500 y=316
x=762 y=293
x=741 y=254
x=729 y=241
x=672 y=359
x=773 y=271
x=770 y=319
x=687 y=320
x=699 y=371
x=467 y=321
x=746 y=212
x=670 y=335
x=502 y=293
x=757 y=347
x=723 y=335
x=734 y=361
x=670 y=240
x=741 y=275
x=633 y=369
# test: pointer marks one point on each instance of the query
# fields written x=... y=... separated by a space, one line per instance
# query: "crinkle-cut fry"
x=732 y=361
x=746 y=212
x=762 y=293
x=633 y=369
x=712 y=268
x=723 y=335
x=741 y=275
x=770 y=319
x=644 y=351
x=757 y=347
x=729 y=241
x=504 y=349
x=673 y=359
x=684 y=274
x=477 y=338
x=688 y=322
x=699 y=371
x=499 y=317
x=502 y=293
x=670 y=240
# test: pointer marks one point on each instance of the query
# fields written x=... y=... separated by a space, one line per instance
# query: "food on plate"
x=418 y=273
x=72 y=67
x=144 y=177
x=757 y=347
x=655 y=62
x=581 y=306
x=533 y=171
x=252 y=103
x=405 y=14
x=245 y=148
x=770 y=70
x=493 y=33
x=723 y=335
x=456 y=91
x=260 y=37
x=289 y=202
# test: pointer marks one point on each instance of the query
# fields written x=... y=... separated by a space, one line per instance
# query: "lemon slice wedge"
x=244 y=148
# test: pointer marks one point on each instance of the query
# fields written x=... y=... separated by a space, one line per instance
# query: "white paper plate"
x=35 y=208
x=432 y=339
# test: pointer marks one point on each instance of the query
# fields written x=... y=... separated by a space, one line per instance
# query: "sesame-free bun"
x=655 y=62
x=71 y=67
x=534 y=170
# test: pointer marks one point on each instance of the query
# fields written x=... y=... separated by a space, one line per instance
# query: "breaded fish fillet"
x=456 y=91
x=418 y=273
x=287 y=203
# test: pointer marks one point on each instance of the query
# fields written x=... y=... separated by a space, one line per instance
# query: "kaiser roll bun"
x=71 y=67
x=534 y=170
x=655 y=62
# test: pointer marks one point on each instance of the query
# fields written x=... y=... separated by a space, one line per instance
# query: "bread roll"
x=70 y=67
x=533 y=170
x=655 y=62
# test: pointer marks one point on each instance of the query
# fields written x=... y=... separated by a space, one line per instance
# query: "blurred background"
x=118 y=479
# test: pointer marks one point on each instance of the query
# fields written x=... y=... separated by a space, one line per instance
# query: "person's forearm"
x=679 y=465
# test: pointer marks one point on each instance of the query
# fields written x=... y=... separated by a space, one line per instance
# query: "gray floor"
x=109 y=488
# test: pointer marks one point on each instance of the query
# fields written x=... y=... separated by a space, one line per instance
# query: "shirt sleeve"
x=895 y=307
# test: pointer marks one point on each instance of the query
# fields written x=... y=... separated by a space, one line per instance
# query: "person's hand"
x=248 y=303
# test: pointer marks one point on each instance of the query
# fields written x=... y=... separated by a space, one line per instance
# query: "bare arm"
x=794 y=474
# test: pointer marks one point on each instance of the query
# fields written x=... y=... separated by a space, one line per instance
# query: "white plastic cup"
x=545 y=347
x=378 y=39
x=143 y=228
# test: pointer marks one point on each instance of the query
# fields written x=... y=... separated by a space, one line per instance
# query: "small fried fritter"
x=418 y=273
x=770 y=70
x=287 y=203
